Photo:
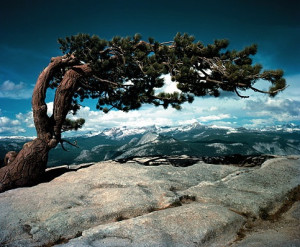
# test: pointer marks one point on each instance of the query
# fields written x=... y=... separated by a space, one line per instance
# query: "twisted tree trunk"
x=31 y=161
x=28 y=166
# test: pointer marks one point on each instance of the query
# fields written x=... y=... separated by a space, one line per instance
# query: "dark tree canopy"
x=199 y=70
x=123 y=74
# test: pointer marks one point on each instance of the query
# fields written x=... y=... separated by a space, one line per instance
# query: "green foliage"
x=72 y=124
x=127 y=71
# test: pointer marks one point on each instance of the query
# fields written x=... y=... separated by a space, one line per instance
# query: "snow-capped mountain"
x=122 y=132
x=195 y=140
x=285 y=128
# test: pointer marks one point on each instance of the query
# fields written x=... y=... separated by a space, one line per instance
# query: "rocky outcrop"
x=129 y=204
x=280 y=232
x=185 y=160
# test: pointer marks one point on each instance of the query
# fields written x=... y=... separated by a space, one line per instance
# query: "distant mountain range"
x=193 y=140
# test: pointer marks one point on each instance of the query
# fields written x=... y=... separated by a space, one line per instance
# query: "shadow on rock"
x=54 y=172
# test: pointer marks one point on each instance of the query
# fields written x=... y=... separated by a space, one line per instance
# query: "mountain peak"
x=148 y=137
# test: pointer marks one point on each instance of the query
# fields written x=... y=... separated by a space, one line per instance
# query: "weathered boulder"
x=257 y=193
x=188 y=225
x=127 y=204
x=284 y=232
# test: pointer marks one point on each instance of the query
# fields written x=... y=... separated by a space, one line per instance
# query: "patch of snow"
x=99 y=147
x=232 y=131
x=221 y=127
x=84 y=155
x=236 y=144
x=122 y=132
x=149 y=137
x=220 y=147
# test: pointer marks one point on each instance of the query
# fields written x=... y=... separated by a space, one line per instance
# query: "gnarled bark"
x=63 y=96
x=10 y=157
x=30 y=163
x=27 y=167
x=43 y=123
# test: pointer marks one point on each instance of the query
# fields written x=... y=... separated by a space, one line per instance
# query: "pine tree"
x=122 y=74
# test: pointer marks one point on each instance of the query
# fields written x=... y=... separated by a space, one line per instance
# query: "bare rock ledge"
x=128 y=204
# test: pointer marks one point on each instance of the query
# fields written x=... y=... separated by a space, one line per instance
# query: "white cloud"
x=50 y=108
x=9 y=126
x=26 y=118
x=169 y=86
x=293 y=89
x=97 y=121
x=277 y=109
x=150 y=115
x=259 y=122
x=11 y=90
x=214 y=117
x=213 y=108
x=10 y=86
x=11 y=130
x=189 y=121
x=5 y=121
x=252 y=112
x=224 y=124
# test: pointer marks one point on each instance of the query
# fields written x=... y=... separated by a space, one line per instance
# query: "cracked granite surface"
x=127 y=204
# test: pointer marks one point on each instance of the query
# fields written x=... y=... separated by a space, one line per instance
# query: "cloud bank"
x=11 y=90
x=255 y=112
x=9 y=126
x=281 y=110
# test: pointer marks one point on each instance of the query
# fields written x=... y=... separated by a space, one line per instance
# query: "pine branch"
x=167 y=42
x=70 y=143
x=241 y=96
x=107 y=81
x=268 y=92
x=222 y=83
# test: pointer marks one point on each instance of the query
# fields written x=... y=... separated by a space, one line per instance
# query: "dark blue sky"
x=29 y=30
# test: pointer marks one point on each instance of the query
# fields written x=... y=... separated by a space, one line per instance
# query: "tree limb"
x=70 y=143
x=106 y=81
x=167 y=42
x=41 y=120
x=267 y=92
x=241 y=96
